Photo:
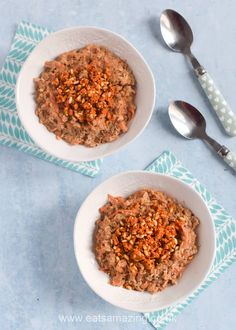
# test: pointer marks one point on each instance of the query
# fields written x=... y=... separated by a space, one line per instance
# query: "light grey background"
x=39 y=279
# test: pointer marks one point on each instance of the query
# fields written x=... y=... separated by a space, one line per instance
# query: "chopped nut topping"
x=152 y=244
x=85 y=98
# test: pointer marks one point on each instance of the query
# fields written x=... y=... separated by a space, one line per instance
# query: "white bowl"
x=69 y=39
x=123 y=185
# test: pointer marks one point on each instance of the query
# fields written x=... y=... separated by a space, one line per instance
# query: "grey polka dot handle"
x=223 y=111
x=230 y=159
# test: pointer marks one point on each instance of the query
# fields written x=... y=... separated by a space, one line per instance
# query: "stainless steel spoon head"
x=191 y=124
x=175 y=30
x=187 y=120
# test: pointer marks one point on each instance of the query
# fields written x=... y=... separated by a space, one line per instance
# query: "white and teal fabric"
x=12 y=134
x=167 y=163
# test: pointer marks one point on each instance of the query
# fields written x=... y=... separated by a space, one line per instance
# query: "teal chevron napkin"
x=12 y=133
x=225 y=228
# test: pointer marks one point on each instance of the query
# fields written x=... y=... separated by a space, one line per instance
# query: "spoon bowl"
x=187 y=120
x=191 y=124
x=176 y=31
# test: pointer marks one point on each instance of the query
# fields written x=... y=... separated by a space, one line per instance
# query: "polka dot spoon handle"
x=228 y=156
x=223 y=111
x=230 y=159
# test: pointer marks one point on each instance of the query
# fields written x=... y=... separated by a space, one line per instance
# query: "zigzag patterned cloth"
x=225 y=228
x=12 y=133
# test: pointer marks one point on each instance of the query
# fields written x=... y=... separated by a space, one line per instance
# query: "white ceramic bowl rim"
x=26 y=105
x=144 y=308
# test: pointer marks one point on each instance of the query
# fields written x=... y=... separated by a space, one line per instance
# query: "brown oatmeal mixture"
x=145 y=241
x=86 y=96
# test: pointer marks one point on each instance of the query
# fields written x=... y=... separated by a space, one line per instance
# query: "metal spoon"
x=178 y=35
x=191 y=124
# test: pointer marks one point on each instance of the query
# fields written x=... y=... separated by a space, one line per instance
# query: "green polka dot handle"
x=223 y=111
x=230 y=159
x=228 y=156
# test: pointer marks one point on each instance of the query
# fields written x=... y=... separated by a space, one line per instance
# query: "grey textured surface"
x=39 y=279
